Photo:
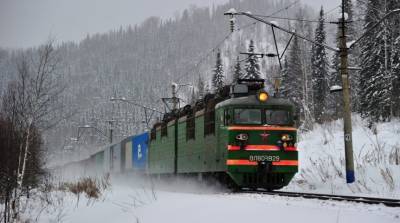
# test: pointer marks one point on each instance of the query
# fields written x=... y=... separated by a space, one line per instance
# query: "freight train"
x=240 y=136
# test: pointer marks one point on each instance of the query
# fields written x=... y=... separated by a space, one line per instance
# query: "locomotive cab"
x=260 y=138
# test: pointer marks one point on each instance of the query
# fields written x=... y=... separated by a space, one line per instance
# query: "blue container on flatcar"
x=139 y=151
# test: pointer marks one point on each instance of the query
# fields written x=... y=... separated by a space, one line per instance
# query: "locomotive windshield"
x=277 y=117
x=248 y=116
x=255 y=116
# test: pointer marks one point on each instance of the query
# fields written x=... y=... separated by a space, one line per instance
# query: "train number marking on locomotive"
x=264 y=158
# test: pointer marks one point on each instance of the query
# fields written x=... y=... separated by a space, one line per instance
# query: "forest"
x=48 y=92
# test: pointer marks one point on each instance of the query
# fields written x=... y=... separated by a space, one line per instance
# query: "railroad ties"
x=359 y=199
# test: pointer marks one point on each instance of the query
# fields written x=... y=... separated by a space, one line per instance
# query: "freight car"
x=240 y=136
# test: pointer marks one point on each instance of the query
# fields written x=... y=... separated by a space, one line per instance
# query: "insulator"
x=232 y=24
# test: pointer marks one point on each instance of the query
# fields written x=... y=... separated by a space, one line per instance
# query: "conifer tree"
x=376 y=85
x=193 y=96
x=292 y=76
x=200 y=88
x=284 y=87
x=319 y=70
x=252 y=66
x=218 y=74
x=237 y=72
x=395 y=58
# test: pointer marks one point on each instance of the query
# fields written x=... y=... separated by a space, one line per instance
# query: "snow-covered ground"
x=376 y=157
x=127 y=204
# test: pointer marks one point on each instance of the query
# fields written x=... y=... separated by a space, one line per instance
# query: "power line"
x=300 y=20
x=290 y=19
x=227 y=37
x=285 y=8
x=332 y=10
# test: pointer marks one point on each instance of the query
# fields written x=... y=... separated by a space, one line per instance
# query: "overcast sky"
x=26 y=23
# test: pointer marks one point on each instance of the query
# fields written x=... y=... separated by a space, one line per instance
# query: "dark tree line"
x=252 y=69
x=379 y=83
x=375 y=89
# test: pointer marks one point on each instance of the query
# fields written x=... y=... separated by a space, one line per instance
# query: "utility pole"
x=175 y=100
x=348 y=138
x=110 y=131
x=110 y=139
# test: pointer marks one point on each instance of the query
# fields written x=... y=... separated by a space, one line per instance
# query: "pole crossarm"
x=92 y=127
x=373 y=27
x=281 y=28
x=89 y=127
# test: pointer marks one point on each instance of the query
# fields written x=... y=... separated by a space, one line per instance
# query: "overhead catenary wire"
x=202 y=59
x=332 y=10
x=290 y=19
x=302 y=20
x=205 y=57
x=285 y=8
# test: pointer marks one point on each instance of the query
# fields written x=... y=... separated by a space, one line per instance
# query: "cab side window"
x=227 y=117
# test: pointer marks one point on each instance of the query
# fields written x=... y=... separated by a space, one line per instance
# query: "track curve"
x=359 y=199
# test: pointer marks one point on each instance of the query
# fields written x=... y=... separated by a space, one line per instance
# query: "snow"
x=348 y=44
x=346 y=16
x=275 y=23
x=322 y=163
x=336 y=88
x=127 y=204
x=231 y=11
x=321 y=157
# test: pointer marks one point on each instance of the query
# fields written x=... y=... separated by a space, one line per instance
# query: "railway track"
x=358 y=199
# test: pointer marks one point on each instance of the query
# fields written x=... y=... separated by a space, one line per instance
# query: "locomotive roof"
x=252 y=100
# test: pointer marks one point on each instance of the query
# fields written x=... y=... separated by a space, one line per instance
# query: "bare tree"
x=33 y=105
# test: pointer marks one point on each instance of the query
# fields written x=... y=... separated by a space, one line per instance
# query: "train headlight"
x=286 y=138
x=242 y=137
x=263 y=96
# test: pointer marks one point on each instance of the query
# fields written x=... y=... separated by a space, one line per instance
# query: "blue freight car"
x=140 y=151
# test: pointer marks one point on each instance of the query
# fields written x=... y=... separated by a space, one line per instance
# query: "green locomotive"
x=240 y=136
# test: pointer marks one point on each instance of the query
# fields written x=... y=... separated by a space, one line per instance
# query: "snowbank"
x=376 y=157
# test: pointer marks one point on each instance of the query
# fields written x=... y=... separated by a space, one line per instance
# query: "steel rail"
x=359 y=199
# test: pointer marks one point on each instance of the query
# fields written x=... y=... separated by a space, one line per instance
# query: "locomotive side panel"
x=162 y=150
x=222 y=140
